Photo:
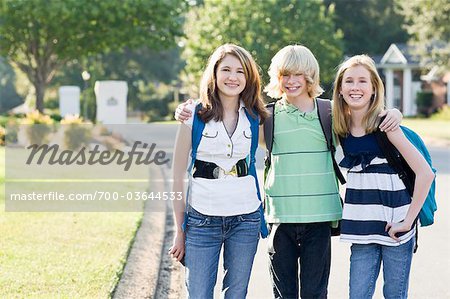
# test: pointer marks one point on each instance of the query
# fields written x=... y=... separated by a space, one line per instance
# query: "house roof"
x=399 y=55
x=377 y=58
x=431 y=75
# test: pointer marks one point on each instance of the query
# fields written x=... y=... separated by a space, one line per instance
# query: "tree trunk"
x=40 y=87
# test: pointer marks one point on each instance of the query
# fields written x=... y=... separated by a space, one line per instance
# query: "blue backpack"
x=197 y=128
x=395 y=159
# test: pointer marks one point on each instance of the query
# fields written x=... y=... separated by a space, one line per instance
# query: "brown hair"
x=251 y=95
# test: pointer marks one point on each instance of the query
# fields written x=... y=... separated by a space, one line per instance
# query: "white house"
x=403 y=79
x=402 y=73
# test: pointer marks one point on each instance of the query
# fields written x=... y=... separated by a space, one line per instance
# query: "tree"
x=263 y=28
x=369 y=26
x=428 y=24
x=40 y=36
x=9 y=98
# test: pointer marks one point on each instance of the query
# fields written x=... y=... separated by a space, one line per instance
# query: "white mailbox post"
x=111 y=98
x=69 y=100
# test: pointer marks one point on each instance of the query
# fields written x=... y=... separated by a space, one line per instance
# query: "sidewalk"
x=436 y=142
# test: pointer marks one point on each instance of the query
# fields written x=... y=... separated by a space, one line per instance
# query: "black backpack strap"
x=388 y=149
x=393 y=158
x=269 y=124
x=324 y=112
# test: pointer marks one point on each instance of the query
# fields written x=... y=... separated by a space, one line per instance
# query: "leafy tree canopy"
x=8 y=95
x=263 y=28
x=428 y=23
x=369 y=26
x=39 y=36
x=131 y=65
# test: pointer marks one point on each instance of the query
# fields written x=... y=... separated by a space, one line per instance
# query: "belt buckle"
x=219 y=172
x=233 y=171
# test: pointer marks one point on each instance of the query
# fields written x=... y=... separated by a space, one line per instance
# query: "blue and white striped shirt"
x=374 y=195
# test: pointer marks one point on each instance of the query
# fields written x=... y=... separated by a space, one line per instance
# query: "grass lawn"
x=63 y=255
x=426 y=127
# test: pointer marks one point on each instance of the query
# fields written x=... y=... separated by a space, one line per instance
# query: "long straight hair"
x=341 y=111
x=251 y=95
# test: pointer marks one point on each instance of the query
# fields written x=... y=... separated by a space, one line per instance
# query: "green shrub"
x=3 y=120
x=51 y=104
x=77 y=132
x=56 y=117
x=6 y=119
x=40 y=126
x=12 y=130
x=424 y=101
x=155 y=100
x=2 y=135
x=443 y=113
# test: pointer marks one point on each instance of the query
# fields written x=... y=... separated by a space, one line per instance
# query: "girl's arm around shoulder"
x=424 y=178
x=184 y=111
x=392 y=120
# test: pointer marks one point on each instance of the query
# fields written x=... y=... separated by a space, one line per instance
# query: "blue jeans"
x=365 y=262
x=205 y=236
x=307 y=244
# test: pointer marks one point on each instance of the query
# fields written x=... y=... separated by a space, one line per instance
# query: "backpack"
x=324 y=112
x=407 y=175
x=197 y=128
x=396 y=160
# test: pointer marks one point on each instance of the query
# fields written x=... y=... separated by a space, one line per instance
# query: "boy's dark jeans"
x=307 y=244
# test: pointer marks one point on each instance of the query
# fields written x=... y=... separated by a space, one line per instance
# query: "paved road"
x=430 y=273
x=431 y=264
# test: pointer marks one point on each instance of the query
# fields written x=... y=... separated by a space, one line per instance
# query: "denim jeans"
x=365 y=262
x=307 y=244
x=205 y=236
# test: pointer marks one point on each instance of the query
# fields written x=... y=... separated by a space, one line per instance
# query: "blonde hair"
x=251 y=95
x=341 y=111
x=294 y=59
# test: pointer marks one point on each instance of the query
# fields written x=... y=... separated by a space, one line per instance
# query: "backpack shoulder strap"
x=254 y=126
x=394 y=158
x=196 y=135
x=324 y=112
x=197 y=129
x=388 y=149
x=269 y=124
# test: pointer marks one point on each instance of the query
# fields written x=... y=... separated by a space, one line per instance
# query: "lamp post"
x=86 y=76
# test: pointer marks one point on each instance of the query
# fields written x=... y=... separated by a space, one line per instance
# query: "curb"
x=140 y=275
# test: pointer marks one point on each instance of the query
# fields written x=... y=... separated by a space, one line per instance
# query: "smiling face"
x=294 y=86
x=357 y=88
x=230 y=78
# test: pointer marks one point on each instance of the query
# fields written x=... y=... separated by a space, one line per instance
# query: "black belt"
x=209 y=170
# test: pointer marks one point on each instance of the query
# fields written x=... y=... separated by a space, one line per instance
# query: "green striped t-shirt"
x=300 y=186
